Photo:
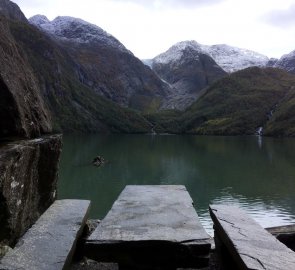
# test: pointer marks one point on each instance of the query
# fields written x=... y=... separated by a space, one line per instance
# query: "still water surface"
x=254 y=173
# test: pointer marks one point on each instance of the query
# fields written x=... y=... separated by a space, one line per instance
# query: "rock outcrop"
x=22 y=109
x=28 y=178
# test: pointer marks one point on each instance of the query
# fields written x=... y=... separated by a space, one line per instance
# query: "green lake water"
x=254 y=173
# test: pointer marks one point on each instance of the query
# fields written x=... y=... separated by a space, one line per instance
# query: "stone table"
x=151 y=225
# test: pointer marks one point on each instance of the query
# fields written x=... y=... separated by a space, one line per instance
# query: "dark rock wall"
x=28 y=178
x=22 y=109
x=28 y=166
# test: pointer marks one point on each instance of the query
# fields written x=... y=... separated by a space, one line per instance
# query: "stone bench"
x=151 y=225
x=244 y=244
x=50 y=243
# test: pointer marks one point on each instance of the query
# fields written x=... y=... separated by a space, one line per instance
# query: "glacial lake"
x=254 y=173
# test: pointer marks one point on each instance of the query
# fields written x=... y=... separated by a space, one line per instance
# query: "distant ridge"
x=229 y=58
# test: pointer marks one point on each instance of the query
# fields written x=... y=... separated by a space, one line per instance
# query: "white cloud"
x=161 y=4
x=148 y=28
x=282 y=17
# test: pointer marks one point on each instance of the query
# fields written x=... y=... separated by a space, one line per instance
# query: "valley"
x=91 y=82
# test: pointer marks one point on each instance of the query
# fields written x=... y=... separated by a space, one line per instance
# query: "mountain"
x=238 y=105
x=271 y=62
x=104 y=64
x=11 y=11
x=76 y=30
x=188 y=70
x=286 y=62
x=282 y=118
x=232 y=59
x=229 y=58
x=74 y=105
x=22 y=110
x=189 y=67
x=87 y=79
x=82 y=73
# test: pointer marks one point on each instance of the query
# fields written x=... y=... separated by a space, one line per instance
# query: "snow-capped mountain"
x=176 y=52
x=188 y=70
x=229 y=58
x=286 y=62
x=232 y=59
x=103 y=63
x=75 y=30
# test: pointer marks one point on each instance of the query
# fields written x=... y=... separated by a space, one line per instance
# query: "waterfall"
x=259 y=131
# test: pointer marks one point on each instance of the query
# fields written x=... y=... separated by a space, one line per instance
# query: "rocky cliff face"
x=22 y=109
x=28 y=167
x=188 y=70
x=28 y=179
x=103 y=64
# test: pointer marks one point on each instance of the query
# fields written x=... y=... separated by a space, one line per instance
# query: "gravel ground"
x=92 y=265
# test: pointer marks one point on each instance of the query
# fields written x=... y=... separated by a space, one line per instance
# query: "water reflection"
x=257 y=175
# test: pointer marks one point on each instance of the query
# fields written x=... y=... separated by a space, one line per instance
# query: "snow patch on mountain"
x=286 y=62
x=175 y=53
x=75 y=30
x=227 y=57
x=39 y=20
x=232 y=59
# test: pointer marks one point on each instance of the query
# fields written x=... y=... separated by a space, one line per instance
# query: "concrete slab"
x=249 y=245
x=151 y=223
x=50 y=243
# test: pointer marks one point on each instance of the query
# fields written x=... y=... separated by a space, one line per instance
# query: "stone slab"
x=50 y=243
x=285 y=234
x=285 y=229
x=154 y=222
x=250 y=246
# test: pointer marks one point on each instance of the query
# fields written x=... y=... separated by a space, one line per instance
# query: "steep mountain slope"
x=74 y=105
x=282 y=118
x=104 y=64
x=187 y=70
x=286 y=62
x=11 y=11
x=22 y=110
x=238 y=104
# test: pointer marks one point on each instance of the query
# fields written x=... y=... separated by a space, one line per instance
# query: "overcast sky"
x=149 y=27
